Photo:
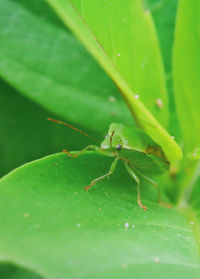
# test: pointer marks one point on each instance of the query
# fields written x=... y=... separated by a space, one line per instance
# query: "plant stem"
x=189 y=181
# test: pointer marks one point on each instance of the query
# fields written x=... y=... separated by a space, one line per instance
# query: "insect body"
x=141 y=155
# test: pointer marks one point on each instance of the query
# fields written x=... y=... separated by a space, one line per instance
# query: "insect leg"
x=137 y=180
x=112 y=169
x=156 y=186
x=93 y=147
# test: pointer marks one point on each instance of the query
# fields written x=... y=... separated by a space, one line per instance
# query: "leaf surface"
x=102 y=233
x=186 y=61
x=26 y=134
x=126 y=32
x=86 y=34
x=164 y=15
x=8 y=271
x=44 y=61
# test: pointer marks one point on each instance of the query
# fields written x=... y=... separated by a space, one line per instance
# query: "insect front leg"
x=112 y=169
x=137 y=180
x=93 y=147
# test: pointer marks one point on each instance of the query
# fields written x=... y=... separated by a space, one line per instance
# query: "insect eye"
x=119 y=147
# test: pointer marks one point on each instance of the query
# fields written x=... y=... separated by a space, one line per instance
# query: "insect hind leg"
x=156 y=186
x=137 y=180
x=111 y=170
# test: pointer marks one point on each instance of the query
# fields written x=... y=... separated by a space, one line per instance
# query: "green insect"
x=141 y=155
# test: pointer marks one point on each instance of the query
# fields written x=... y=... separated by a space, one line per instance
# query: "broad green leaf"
x=47 y=64
x=8 y=271
x=194 y=200
x=144 y=118
x=164 y=15
x=126 y=32
x=186 y=61
x=99 y=234
x=27 y=135
x=190 y=203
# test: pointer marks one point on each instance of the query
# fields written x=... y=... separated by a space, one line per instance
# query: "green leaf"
x=144 y=118
x=8 y=271
x=44 y=61
x=126 y=32
x=164 y=15
x=26 y=134
x=195 y=204
x=191 y=207
x=75 y=234
x=186 y=61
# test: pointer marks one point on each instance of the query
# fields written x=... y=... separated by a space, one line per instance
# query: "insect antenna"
x=74 y=128
x=111 y=138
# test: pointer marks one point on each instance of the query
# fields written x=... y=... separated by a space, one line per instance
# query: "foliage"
x=51 y=227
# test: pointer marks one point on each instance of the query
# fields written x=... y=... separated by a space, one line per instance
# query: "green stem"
x=190 y=178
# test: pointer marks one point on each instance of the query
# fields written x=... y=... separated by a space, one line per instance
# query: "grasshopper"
x=139 y=153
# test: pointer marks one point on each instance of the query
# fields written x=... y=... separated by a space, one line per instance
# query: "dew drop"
x=111 y=99
x=159 y=103
x=156 y=260
x=126 y=225
x=124 y=265
x=26 y=215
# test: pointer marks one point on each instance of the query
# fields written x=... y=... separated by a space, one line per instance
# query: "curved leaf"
x=142 y=115
x=47 y=64
x=126 y=32
x=8 y=271
x=164 y=15
x=26 y=134
x=186 y=61
x=99 y=234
